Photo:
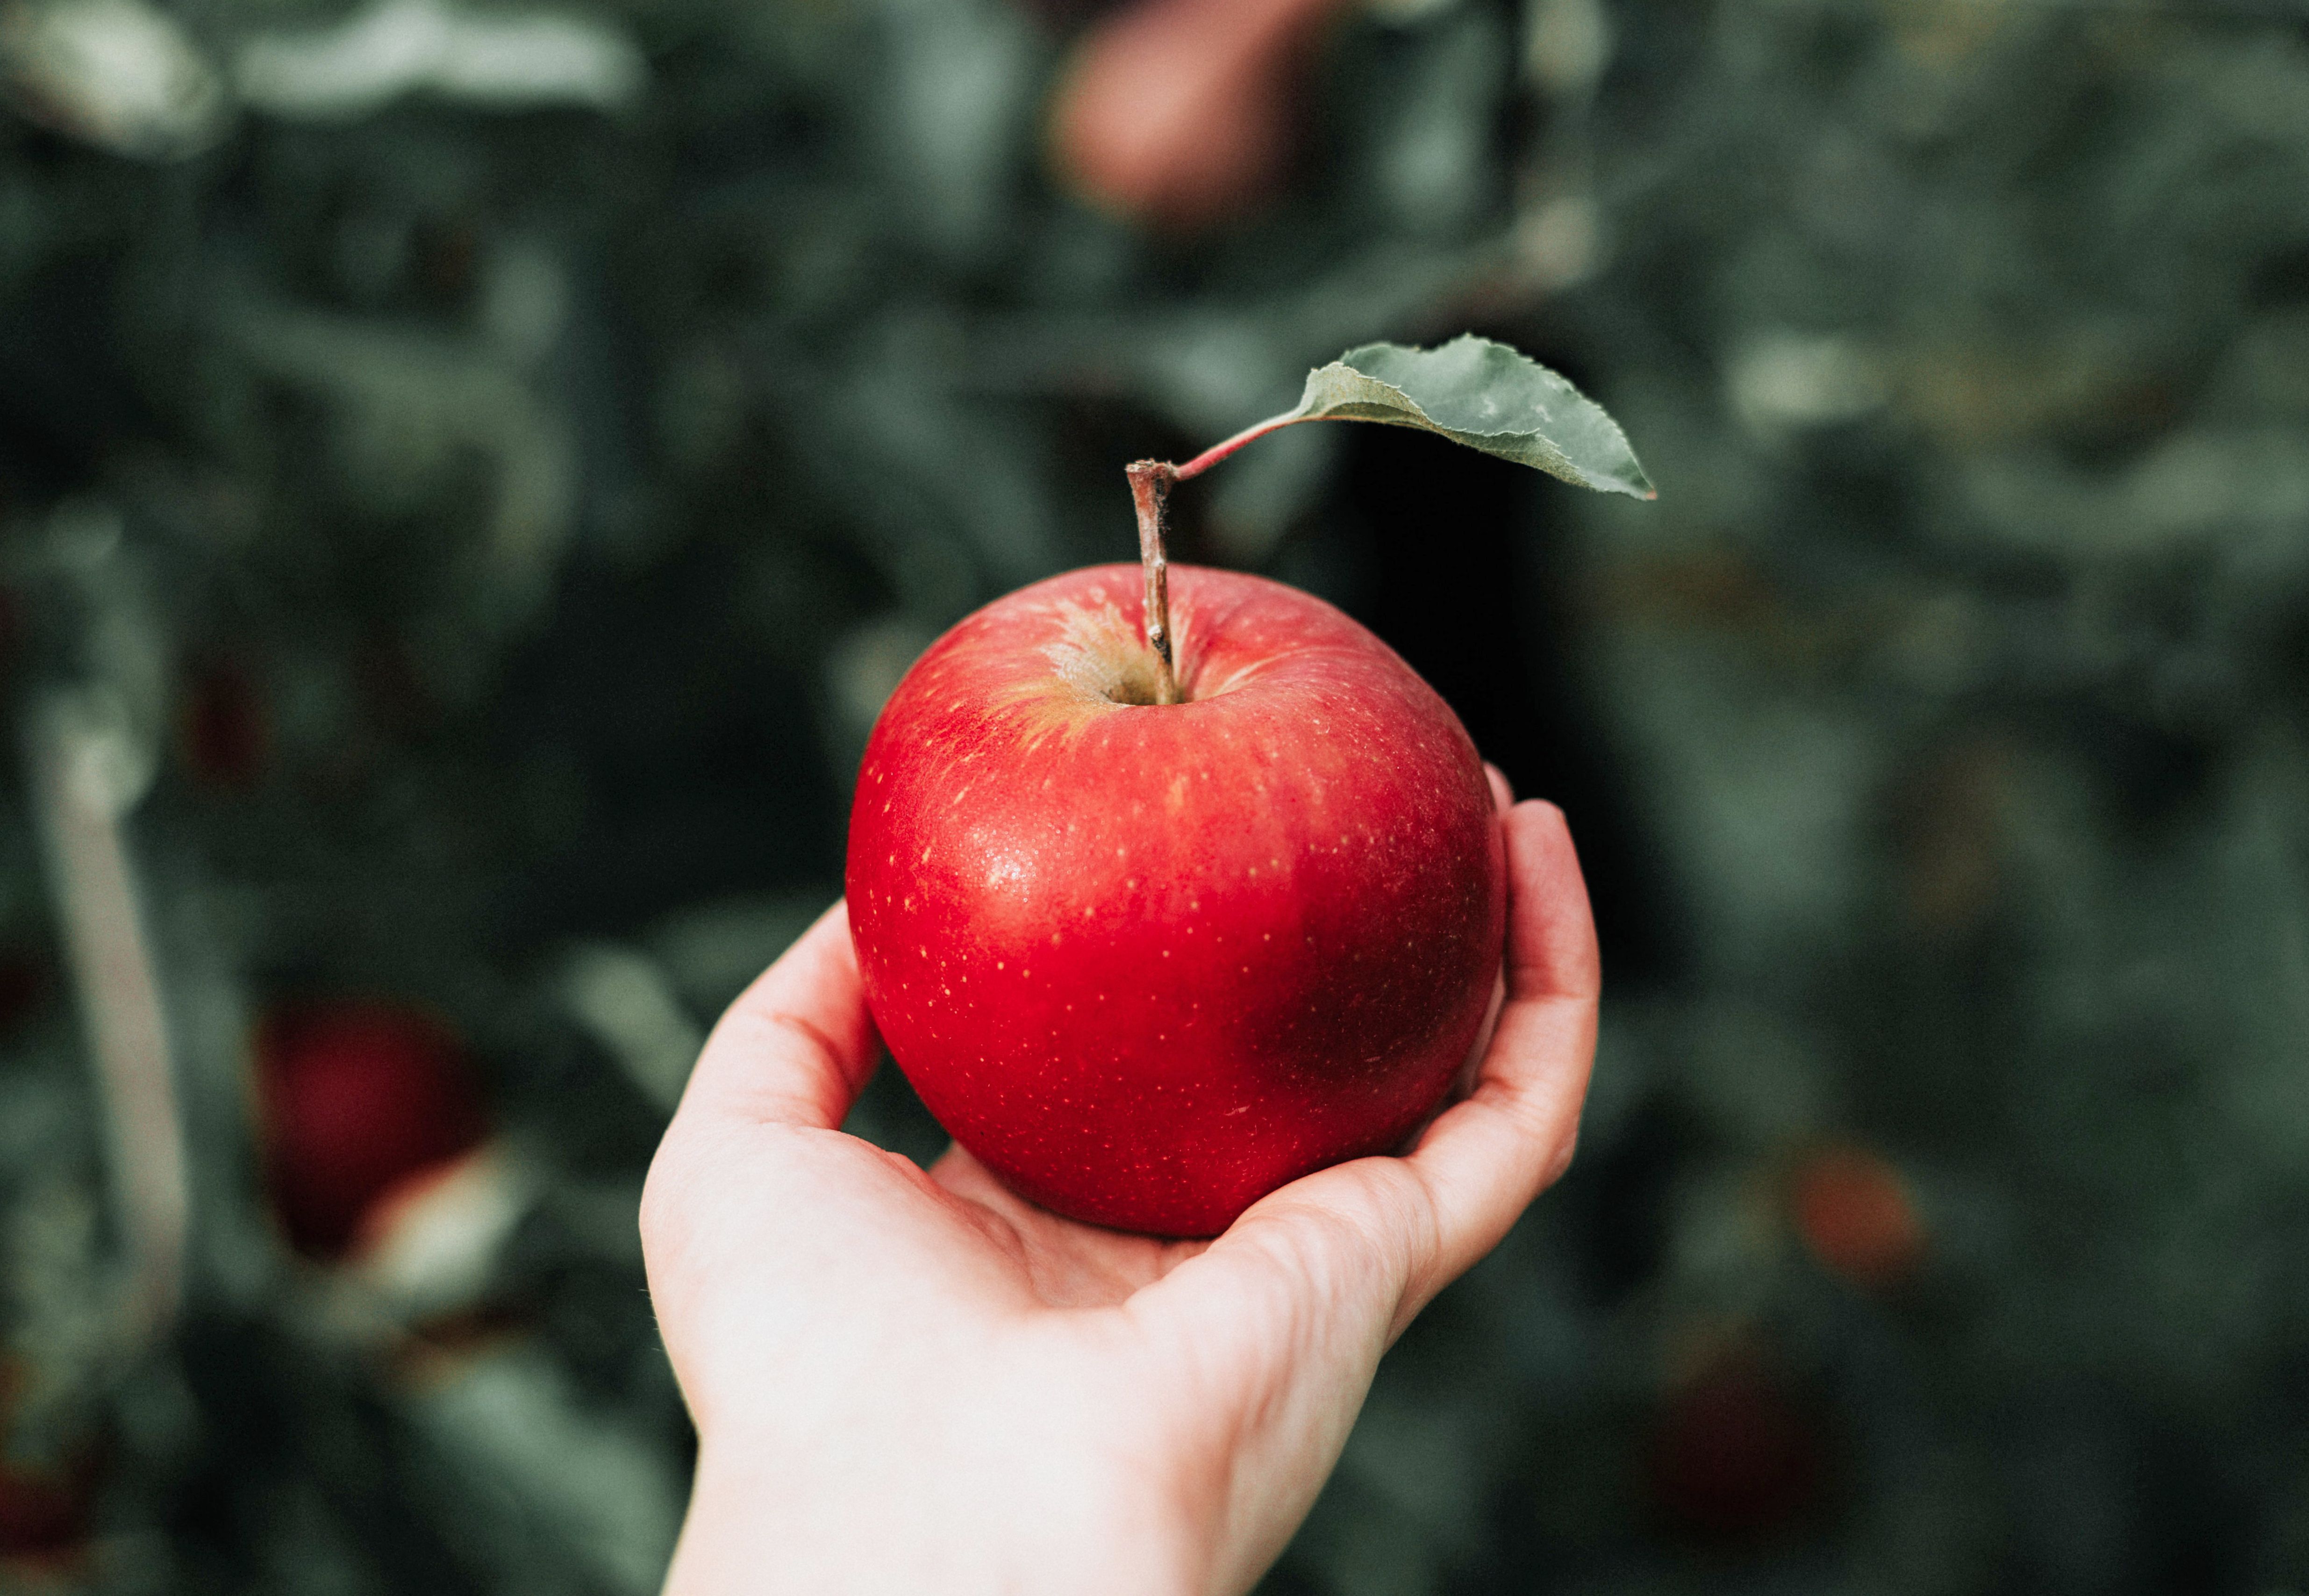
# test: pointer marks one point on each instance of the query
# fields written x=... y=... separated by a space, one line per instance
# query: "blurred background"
x=469 y=474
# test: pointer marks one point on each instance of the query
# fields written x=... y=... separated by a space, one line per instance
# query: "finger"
x=1502 y=791
x=1484 y=1158
x=1463 y=1081
x=1552 y=948
x=798 y=1045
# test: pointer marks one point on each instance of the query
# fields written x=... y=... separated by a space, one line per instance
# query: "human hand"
x=907 y=1380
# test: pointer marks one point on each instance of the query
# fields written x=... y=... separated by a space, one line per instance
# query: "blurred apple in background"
x=1178 y=113
x=43 y=1503
x=43 y=1516
x=26 y=982
x=1856 y=1216
x=224 y=727
x=1736 y=1456
x=357 y=1097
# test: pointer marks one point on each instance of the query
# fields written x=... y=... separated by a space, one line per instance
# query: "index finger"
x=798 y=1045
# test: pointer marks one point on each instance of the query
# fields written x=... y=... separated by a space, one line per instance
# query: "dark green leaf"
x=1486 y=395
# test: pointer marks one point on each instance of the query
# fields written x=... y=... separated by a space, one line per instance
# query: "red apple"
x=24 y=986
x=1179 y=112
x=1736 y=1454
x=357 y=1097
x=44 y=1505
x=43 y=1514
x=224 y=728
x=1857 y=1216
x=1150 y=961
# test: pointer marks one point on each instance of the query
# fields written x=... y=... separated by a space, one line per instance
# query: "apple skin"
x=1149 y=962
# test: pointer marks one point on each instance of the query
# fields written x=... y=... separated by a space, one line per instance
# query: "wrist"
x=901 y=1519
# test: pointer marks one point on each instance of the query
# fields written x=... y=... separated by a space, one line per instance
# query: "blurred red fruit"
x=1179 y=112
x=23 y=987
x=43 y=1516
x=1856 y=1216
x=43 y=1510
x=11 y=632
x=1735 y=1455
x=224 y=728
x=356 y=1097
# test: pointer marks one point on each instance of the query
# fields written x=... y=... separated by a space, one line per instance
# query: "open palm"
x=910 y=1381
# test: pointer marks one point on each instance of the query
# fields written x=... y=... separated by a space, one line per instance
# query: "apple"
x=44 y=1504
x=1161 y=905
x=25 y=982
x=223 y=730
x=1149 y=961
x=1178 y=113
x=1857 y=1216
x=1736 y=1453
x=43 y=1516
x=357 y=1096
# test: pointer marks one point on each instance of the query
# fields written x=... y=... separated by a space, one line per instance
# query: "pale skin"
x=907 y=1380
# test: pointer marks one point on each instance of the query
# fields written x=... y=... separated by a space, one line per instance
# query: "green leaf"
x=1486 y=395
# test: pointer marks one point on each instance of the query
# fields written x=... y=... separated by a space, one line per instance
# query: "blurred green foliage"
x=483 y=470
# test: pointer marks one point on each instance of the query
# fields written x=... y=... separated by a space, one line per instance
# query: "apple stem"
x=1150 y=487
x=1151 y=482
x=1219 y=451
